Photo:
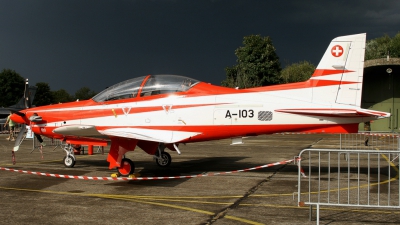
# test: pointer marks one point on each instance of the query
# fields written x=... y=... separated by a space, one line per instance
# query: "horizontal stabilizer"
x=337 y=112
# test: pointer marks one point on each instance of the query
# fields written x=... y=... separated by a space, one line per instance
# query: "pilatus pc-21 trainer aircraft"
x=157 y=112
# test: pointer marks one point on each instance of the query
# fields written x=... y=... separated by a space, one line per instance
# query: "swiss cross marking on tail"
x=337 y=51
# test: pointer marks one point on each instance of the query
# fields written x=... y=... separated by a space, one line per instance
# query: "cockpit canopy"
x=154 y=85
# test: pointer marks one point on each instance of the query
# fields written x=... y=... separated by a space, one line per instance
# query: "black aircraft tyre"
x=127 y=167
x=69 y=161
x=165 y=159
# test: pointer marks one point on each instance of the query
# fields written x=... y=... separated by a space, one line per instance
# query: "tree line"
x=12 y=86
x=257 y=65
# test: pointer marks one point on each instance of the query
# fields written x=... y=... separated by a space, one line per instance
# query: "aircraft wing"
x=78 y=130
x=337 y=112
x=164 y=136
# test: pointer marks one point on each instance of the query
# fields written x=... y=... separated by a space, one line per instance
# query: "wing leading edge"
x=164 y=136
x=155 y=135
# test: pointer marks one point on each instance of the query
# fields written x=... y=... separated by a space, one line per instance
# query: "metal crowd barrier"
x=370 y=141
x=6 y=130
x=3 y=130
x=357 y=175
x=47 y=142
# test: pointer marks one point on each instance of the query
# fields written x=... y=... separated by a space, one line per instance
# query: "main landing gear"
x=127 y=167
x=162 y=158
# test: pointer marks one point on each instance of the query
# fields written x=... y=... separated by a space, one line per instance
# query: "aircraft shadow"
x=189 y=167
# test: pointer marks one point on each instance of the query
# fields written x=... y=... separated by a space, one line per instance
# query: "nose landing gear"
x=69 y=160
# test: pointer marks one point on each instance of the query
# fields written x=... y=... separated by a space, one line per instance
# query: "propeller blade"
x=27 y=102
x=20 y=137
x=40 y=139
x=14 y=110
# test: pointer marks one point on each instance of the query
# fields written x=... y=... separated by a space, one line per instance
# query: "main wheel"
x=127 y=167
x=69 y=161
x=164 y=160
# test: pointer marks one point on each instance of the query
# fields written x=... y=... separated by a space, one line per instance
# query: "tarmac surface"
x=262 y=196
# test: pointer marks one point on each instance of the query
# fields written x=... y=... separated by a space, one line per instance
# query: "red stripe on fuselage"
x=313 y=82
x=76 y=114
x=299 y=85
x=325 y=72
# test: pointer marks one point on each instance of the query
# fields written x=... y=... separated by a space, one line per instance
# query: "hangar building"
x=381 y=92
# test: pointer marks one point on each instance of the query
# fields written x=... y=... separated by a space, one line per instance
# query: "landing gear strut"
x=162 y=158
x=69 y=160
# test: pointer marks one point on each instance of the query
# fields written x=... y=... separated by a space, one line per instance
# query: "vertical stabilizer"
x=339 y=76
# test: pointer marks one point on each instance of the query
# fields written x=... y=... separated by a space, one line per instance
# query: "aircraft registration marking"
x=243 y=113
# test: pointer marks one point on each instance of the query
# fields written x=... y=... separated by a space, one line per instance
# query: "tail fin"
x=339 y=75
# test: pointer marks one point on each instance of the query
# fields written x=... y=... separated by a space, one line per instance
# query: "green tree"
x=297 y=72
x=231 y=77
x=43 y=95
x=62 y=96
x=395 y=46
x=84 y=93
x=257 y=64
x=12 y=87
x=380 y=47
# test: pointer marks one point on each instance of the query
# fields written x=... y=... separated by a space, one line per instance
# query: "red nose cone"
x=18 y=119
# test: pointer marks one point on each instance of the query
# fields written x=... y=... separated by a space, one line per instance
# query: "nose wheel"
x=164 y=159
x=127 y=167
x=69 y=161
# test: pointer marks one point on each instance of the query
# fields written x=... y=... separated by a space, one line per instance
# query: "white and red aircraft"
x=156 y=112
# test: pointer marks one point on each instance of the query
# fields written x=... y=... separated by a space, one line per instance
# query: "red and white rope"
x=144 y=178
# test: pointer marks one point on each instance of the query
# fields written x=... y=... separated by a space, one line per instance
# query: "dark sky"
x=71 y=44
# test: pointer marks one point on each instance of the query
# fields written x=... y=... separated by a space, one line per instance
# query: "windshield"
x=125 y=89
x=155 y=84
